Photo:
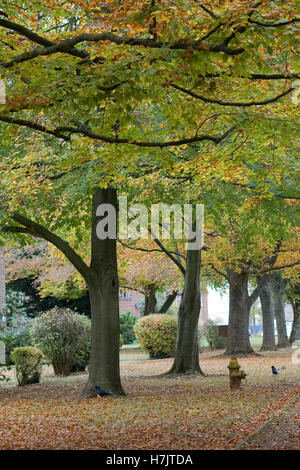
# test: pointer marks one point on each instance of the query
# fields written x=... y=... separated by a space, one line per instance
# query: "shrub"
x=28 y=362
x=64 y=337
x=156 y=334
x=127 y=322
x=211 y=332
x=14 y=338
x=221 y=342
x=201 y=338
x=15 y=309
x=121 y=341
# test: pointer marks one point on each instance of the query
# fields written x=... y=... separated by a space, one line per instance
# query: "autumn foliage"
x=156 y=333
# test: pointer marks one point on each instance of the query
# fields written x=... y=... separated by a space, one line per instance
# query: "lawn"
x=158 y=413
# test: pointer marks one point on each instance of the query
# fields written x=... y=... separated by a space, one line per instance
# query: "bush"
x=64 y=337
x=15 y=310
x=121 y=341
x=14 y=338
x=28 y=362
x=156 y=334
x=3 y=376
x=211 y=333
x=221 y=342
x=127 y=322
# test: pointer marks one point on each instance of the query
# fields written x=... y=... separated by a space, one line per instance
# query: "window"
x=124 y=294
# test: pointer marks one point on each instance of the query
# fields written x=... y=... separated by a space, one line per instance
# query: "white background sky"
x=218 y=306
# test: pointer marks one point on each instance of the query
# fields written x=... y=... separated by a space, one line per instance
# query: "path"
x=281 y=432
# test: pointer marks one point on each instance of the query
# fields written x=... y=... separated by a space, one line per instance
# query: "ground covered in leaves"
x=159 y=413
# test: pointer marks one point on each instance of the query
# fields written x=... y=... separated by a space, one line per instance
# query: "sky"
x=218 y=306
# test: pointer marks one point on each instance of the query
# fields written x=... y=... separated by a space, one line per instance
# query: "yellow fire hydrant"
x=235 y=374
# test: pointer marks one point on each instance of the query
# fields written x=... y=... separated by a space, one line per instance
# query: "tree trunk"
x=267 y=308
x=168 y=302
x=278 y=290
x=187 y=355
x=295 y=333
x=150 y=300
x=104 y=367
x=239 y=314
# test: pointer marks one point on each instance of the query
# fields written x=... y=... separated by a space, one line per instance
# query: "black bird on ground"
x=102 y=392
x=275 y=371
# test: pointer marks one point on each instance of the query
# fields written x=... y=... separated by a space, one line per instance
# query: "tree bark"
x=168 y=302
x=278 y=290
x=150 y=300
x=239 y=313
x=103 y=284
x=187 y=354
x=267 y=308
x=295 y=302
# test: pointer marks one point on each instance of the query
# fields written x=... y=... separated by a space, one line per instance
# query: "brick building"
x=130 y=301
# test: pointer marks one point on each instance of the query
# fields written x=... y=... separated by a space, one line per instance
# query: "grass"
x=181 y=412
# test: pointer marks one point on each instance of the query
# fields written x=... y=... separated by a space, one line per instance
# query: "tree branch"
x=67 y=46
x=83 y=130
x=168 y=253
x=275 y=268
x=217 y=271
x=146 y=250
x=39 y=231
x=230 y=103
x=34 y=126
x=274 y=25
x=33 y=37
x=254 y=296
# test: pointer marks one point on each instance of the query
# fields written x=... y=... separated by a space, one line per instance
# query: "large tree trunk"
x=187 y=355
x=168 y=302
x=295 y=333
x=266 y=301
x=104 y=368
x=239 y=313
x=150 y=300
x=278 y=290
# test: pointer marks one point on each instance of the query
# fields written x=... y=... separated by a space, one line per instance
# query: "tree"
x=245 y=243
x=93 y=90
x=145 y=268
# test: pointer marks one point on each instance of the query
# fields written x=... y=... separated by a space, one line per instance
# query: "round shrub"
x=64 y=337
x=156 y=333
x=28 y=362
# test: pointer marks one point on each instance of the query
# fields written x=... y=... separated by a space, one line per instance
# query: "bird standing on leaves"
x=102 y=392
x=275 y=371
